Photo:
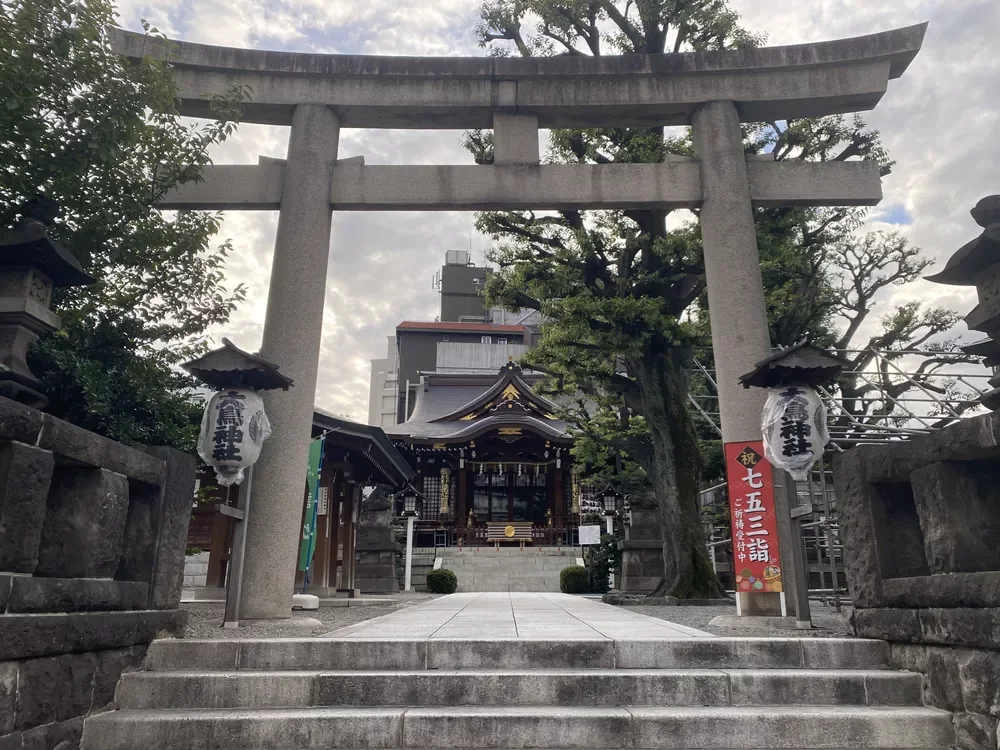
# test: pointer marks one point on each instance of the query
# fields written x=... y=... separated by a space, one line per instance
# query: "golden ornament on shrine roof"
x=508 y=532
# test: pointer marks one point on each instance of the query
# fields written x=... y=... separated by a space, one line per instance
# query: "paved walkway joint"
x=517 y=616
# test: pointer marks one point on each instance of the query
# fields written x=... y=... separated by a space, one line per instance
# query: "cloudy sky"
x=941 y=122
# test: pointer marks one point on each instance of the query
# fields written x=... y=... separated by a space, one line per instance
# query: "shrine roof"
x=371 y=443
x=458 y=407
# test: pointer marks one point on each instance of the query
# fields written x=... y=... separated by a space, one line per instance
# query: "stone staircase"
x=705 y=693
x=508 y=568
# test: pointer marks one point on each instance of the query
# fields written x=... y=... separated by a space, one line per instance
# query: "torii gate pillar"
x=736 y=307
x=293 y=329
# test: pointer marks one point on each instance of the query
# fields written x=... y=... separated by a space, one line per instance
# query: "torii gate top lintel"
x=766 y=83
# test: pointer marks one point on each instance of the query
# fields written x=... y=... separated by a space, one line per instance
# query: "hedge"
x=574 y=580
x=442 y=581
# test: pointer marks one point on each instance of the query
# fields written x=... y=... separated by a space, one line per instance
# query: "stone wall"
x=196 y=570
x=92 y=540
x=919 y=522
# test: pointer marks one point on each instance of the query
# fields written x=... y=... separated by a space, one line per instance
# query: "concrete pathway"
x=520 y=616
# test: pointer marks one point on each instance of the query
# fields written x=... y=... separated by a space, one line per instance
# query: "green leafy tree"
x=623 y=292
x=101 y=136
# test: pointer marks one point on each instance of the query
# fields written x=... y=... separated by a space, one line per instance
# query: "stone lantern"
x=977 y=264
x=31 y=266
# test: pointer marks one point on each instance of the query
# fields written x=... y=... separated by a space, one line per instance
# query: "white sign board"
x=590 y=535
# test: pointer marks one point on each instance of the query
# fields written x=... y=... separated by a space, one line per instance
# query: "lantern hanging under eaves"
x=234 y=425
x=794 y=419
x=233 y=429
x=794 y=427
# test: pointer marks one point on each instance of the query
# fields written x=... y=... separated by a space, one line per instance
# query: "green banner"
x=308 y=544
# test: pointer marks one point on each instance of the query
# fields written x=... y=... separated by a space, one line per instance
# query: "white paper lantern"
x=794 y=427
x=233 y=429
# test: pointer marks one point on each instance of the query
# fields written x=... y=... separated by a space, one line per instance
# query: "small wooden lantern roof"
x=801 y=364
x=231 y=367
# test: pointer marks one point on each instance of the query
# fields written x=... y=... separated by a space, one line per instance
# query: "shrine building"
x=489 y=454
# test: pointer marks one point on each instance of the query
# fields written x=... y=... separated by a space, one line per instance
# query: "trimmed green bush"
x=442 y=581
x=574 y=580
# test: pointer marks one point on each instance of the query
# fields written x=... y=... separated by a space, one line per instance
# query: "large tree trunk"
x=673 y=465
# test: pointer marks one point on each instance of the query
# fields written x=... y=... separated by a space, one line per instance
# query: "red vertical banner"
x=750 y=478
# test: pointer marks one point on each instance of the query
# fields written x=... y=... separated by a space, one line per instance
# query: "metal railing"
x=908 y=393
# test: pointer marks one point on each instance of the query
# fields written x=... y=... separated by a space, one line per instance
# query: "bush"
x=574 y=580
x=604 y=560
x=191 y=551
x=442 y=581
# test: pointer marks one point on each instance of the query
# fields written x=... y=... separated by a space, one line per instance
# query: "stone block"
x=909 y=656
x=444 y=653
x=887 y=624
x=12 y=741
x=62 y=735
x=961 y=627
x=209 y=730
x=84 y=524
x=25 y=636
x=192 y=654
x=318 y=653
x=75 y=595
x=944 y=591
x=864 y=576
x=644 y=525
x=892 y=463
x=25 y=473
x=108 y=668
x=975 y=732
x=156 y=531
x=5 y=584
x=19 y=422
x=85 y=447
x=960 y=526
x=54 y=689
x=979 y=674
x=8 y=696
x=944 y=684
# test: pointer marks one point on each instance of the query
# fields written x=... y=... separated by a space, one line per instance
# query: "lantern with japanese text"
x=794 y=428
x=794 y=419
x=234 y=425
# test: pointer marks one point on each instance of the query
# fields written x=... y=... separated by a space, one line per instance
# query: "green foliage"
x=605 y=559
x=442 y=581
x=101 y=136
x=192 y=551
x=623 y=292
x=574 y=580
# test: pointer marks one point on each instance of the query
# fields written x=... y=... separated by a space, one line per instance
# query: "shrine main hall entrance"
x=488 y=450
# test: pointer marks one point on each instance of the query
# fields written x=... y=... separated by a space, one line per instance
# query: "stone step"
x=435 y=653
x=597 y=687
x=704 y=728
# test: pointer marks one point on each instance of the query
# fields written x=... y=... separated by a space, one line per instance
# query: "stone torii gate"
x=317 y=95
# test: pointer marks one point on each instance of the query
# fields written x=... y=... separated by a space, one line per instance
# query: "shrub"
x=442 y=581
x=574 y=580
x=191 y=551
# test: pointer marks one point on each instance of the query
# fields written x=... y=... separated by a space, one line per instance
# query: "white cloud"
x=940 y=122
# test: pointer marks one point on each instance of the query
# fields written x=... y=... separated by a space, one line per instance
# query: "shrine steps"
x=704 y=693
x=508 y=568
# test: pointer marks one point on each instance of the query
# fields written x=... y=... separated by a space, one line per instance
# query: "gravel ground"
x=700 y=617
x=205 y=619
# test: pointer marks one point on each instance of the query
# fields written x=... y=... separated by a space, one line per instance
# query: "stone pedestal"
x=642 y=553
x=377 y=548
